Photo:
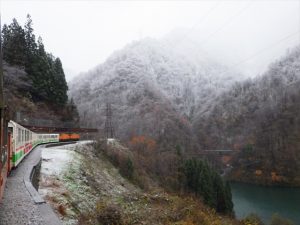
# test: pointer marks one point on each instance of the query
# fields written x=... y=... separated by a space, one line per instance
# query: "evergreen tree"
x=60 y=81
x=228 y=198
x=202 y=180
x=38 y=72
x=14 y=46
x=44 y=70
x=31 y=45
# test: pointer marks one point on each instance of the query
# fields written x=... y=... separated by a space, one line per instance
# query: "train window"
x=19 y=135
x=5 y=133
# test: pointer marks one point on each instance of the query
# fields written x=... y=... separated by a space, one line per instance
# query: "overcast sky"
x=249 y=34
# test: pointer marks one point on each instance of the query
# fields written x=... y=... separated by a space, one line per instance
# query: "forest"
x=198 y=106
x=44 y=71
x=34 y=79
x=259 y=119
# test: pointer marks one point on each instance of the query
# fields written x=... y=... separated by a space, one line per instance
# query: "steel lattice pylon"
x=109 y=129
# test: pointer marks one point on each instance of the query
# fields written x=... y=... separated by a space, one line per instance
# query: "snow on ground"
x=55 y=160
x=61 y=165
x=73 y=179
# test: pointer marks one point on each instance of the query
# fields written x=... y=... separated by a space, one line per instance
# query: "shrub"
x=252 y=219
x=109 y=215
x=127 y=168
x=278 y=220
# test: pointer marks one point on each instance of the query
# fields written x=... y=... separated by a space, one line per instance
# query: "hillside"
x=154 y=89
x=260 y=119
x=34 y=81
x=183 y=101
x=17 y=88
x=85 y=188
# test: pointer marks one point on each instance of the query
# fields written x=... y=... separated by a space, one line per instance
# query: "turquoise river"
x=265 y=201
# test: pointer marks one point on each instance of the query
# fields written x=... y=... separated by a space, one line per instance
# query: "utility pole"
x=2 y=105
x=3 y=125
x=109 y=129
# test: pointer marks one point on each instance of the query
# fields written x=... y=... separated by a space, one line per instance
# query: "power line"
x=262 y=50
x=216 y=31
x=230 y=20
x=200 y=21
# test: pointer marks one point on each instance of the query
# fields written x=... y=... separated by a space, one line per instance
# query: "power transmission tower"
x=109 y=129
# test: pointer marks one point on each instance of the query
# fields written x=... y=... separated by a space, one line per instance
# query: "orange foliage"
x=142 y=143
x=236 y=146
x=275 y=177
x=258 y=172
x=62 y=210
x=226 y=159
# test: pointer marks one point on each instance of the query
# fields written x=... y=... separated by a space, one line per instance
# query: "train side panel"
x=69 y=137
x=24 y=140
x=10 y=147
x=21 y=143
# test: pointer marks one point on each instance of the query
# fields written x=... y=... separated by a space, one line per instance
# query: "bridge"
x=44 y=129
x=219 y=151
x=42 y=125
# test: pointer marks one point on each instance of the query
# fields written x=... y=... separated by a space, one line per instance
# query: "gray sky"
x=84 y=33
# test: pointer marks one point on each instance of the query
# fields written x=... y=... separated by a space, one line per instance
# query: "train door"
x=10 y=149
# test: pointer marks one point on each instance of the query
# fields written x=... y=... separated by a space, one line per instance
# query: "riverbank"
x=254 y=175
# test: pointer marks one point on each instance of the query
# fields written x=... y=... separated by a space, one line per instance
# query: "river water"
x=265 y=201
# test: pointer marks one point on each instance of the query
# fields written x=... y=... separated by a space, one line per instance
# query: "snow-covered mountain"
x=260 y=119
x=179 y=98
x=154 y=88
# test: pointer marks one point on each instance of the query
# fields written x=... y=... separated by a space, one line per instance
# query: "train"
x=63 y=137
x=19 y=142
